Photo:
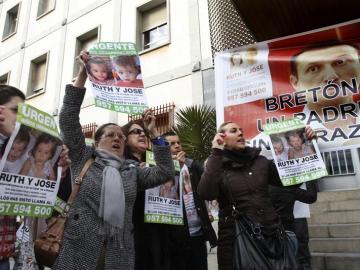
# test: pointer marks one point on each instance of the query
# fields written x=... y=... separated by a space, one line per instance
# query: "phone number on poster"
x=163 y=219
x=129 y=109
x=26 y=210
x=246 y=94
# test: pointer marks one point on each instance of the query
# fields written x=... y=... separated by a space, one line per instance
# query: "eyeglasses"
x=137 y=131
x=112 y=135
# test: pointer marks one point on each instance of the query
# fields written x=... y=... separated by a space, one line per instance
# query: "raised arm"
x=163 y=171
x=308 y=195
x=70 y=121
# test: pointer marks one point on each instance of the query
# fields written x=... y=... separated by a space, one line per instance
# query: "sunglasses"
x=112 y=135
x=137 y=131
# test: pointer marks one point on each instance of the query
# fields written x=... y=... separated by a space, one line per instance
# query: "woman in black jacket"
x=236 y=174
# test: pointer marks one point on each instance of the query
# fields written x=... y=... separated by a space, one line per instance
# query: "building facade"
x=40 y=40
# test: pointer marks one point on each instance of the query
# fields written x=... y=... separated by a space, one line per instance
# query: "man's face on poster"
x=319 y=66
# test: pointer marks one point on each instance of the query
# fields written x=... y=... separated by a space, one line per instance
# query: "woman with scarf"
x=239 y=176
x=99 y=230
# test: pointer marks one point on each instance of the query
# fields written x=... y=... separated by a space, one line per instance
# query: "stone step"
x=335 y=245
x=335 y=217
x=335 y=261
x=338 y=195
x=334 y=230
x=328 y=206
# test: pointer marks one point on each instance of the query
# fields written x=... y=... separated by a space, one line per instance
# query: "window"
x=154 y=26
x=4 y=79
x=37 y=78
x=84 y=42
x=11 y=21
x=338 y=162
x=45 y=6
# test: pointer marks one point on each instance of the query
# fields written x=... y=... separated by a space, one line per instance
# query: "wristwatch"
x=160 y=141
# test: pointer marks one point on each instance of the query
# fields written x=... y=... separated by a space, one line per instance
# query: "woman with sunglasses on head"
x=99 y=230
x=238 y=177
x=137 y=142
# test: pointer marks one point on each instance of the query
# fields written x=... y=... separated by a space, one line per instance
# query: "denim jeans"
x=4 y=264
x=293 y=241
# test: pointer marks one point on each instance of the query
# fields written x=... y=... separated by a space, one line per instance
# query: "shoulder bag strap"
x=78 y=181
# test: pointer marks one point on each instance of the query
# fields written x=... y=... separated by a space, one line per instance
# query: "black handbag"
x=261 y=247
x=258 y=247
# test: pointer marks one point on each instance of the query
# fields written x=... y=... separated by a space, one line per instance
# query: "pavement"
x=212 y=260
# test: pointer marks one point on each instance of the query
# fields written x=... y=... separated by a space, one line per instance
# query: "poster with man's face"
x=313 y=76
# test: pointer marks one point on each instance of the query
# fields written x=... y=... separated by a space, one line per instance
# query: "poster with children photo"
x=163 y=204
x=297 y=159
x=114 y=71
x=29 y=177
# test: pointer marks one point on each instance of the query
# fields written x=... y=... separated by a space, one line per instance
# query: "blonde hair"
x=221 y=127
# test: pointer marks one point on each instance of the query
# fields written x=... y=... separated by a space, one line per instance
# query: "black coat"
x=283 y=199
x=160 y=246
x=196 y=170
x=246 y=184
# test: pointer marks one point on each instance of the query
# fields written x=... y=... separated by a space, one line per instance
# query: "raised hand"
x=181 y=156
x=218 y=141
x=64 y=160
x=149 y=123
x=82 y=59
x=310 y=134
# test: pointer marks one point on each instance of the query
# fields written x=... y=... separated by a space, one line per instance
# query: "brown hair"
x=45 y=138
x=126 y=60
x=100 y=131
x=127 y=151
x=294 y=133
x=105 y=61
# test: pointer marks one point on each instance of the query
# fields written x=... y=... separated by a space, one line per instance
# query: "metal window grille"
x=338 y=162
x=164 y=117
x=89 y=130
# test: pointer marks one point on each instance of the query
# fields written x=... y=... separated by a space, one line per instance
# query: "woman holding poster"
x=238 y=176
x=10 y=99
x=98 y=233
x=137 y=142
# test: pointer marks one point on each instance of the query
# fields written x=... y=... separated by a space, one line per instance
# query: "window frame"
x=39 y=16
x=328 y=158
x=18 y=5
x=30 y=93
x=7 y=75
x=79 y=41
x=149 y=31
x=140 y=33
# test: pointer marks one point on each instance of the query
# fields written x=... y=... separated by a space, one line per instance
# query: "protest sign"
x=29 y=178
x=163 y=204
x=214 y=209
x=114 y=72
x=297 y=159
x=312 y=76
